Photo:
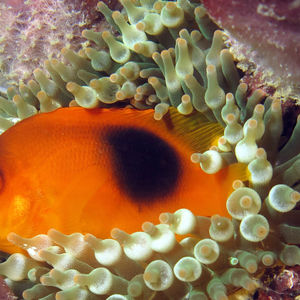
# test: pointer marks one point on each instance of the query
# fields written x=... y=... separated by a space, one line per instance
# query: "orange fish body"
x=80 y=170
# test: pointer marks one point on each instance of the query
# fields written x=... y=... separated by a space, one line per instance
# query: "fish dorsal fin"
x=195 y=129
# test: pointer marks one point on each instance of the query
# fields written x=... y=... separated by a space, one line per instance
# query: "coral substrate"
x=267 y=44
x=167 y=54
x=35 y=30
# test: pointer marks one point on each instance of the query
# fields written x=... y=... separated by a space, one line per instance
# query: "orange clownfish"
x=79 y=170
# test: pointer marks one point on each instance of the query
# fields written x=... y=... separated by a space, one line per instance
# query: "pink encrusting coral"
x=5 y=292
x=34 y=30
x=265 y=33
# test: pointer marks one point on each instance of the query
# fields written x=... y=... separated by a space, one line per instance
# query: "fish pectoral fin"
x=77 y=191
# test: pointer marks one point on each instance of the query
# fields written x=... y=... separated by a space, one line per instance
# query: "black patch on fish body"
x=145 y=166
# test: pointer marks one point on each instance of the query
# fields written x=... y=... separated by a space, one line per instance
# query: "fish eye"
x=146 y=167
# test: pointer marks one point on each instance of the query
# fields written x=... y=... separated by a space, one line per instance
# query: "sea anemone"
x=161 y=54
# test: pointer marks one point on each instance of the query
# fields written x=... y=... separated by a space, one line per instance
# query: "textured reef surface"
x=160 y=54
x=34 y=31
x=264 y=36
